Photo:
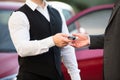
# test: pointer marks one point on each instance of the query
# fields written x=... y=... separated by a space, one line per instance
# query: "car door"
x=93 y=21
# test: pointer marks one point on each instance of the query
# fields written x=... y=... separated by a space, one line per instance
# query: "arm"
x=70 y=62
x=96 y=41
x=69 y=57
x=19 y=32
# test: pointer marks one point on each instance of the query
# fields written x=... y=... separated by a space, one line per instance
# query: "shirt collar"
x=34 y=6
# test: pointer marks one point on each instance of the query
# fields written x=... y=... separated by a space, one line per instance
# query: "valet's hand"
x=61 y=39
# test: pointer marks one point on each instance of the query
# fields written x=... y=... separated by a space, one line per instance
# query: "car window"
x=95 y=22
x=73 y=28
x=6 y=44
x=67 y=14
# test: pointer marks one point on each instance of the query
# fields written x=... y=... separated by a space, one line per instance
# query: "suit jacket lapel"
x=115 y=9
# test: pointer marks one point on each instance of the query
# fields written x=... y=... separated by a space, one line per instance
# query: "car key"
x=72 y=37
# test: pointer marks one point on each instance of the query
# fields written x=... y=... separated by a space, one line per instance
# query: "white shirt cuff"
x=75 y=76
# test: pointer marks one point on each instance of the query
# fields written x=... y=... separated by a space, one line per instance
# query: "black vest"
x=47 y=64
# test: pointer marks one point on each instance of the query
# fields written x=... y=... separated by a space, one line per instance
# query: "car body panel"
x=8 y=64
x=90 y=64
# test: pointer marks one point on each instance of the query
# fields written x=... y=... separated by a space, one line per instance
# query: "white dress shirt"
x=19 y=31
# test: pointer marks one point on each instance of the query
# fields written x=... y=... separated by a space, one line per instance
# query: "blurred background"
x=86 y=16
x=83 y=4
x=79 y=4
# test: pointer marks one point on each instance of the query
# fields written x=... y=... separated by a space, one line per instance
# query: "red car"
x=90 y=62
x=93 y=20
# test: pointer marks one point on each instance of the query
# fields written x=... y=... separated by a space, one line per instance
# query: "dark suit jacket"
x=110 y=41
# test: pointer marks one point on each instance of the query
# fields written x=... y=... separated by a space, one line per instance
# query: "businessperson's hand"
x=61 y=39
x=81 y=41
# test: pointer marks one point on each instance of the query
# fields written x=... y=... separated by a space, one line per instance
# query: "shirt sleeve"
x=70 y=62
x=19 y=32
x=68 y=55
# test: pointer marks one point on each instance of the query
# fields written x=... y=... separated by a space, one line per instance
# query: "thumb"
x=64 y=35
x=77 y=34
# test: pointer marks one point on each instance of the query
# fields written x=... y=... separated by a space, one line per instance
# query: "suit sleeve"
x=96 y=41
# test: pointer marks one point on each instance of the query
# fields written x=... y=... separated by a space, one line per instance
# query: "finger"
x=76 y=34
x=67 y=40
x=64 y=35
